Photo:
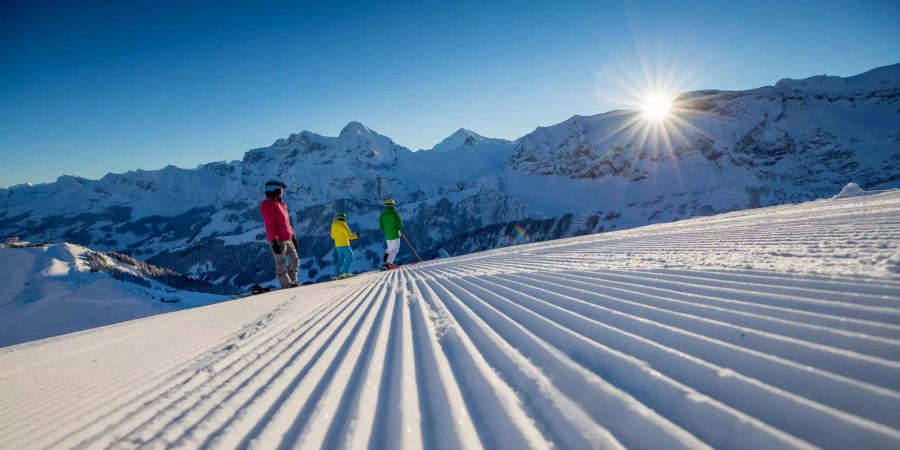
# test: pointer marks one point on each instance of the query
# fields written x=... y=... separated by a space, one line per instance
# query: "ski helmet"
x=275 y=187
x=342 y=216
x=390 y=202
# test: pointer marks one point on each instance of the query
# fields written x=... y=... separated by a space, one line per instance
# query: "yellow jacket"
x=341 y=234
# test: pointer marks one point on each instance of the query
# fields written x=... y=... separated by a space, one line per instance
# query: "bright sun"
x=656 y=106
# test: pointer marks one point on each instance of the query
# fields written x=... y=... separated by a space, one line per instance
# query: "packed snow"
x=769 y=328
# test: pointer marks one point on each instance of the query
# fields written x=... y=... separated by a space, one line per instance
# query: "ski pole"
x=411 y=247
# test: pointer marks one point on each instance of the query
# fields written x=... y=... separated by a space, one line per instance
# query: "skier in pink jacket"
x=280 y=234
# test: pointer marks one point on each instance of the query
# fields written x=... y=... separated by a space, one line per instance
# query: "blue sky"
x=88 y=88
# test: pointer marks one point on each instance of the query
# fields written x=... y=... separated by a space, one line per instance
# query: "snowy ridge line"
x=618 y=411
x=509 y=265
x=694 y=303
x=699 y=242
x=256 y=384
x=195 y=398
x=184 y=353
x=794 y=375
x=522 y=283
x=736 y=223
x=703 y=305
x=441 y=392
x=192 y=375
x=286 y=395
x=622 y=426
x=737 y=303
x=694 y=279
x=676 y=401
x=703 y=340
x=884 y=287
x=766 y=298
x=325 y=410
x=140 y=370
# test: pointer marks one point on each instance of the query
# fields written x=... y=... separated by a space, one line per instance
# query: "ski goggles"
x=274 y=186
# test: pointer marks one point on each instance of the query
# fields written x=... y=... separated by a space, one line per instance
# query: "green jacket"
x=390 y=223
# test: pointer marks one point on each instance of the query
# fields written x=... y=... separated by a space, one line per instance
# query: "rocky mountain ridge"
x=722 y=151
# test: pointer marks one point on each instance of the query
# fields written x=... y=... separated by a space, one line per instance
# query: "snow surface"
x=852 y=190
x=769 y=328
x=49 y=291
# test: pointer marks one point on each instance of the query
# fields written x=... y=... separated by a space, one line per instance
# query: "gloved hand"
x=277 y=247
x=294 y=240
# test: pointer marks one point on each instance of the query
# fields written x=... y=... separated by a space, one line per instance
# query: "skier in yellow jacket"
x=342 y=236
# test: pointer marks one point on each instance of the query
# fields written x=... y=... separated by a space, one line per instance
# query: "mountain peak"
x=71 y=179
x=354 y=128
x=466 y=133
x=460 y=138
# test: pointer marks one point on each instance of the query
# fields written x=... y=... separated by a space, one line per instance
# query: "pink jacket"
x=275 y=217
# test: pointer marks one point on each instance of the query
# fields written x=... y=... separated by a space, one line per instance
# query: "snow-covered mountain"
x=463 y=138
x=48 y=290
x=725 y=151
x=796 y=140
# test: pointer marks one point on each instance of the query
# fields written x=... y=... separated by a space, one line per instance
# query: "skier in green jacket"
x=390 y=225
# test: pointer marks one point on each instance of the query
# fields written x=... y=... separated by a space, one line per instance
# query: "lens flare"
x=520 y=233
x=657 y=105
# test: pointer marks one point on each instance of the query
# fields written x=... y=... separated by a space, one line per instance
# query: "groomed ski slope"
x=771 y=328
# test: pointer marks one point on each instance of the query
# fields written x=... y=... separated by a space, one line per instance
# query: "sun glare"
x=654 y=120
x=656 y=106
